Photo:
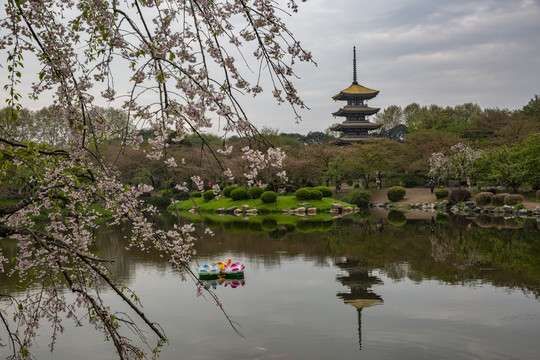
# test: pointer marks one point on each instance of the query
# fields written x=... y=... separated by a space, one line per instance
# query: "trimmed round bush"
x=441 y=194
x=196 y=194
x=513 y=199
x=228 y=189
x=326 y=191
x=537 y=194
x=239 y=193
x=459 y=195
x=360 y=198
x=483 y=198
x=255 y=192
x=396 y=193
x=302 y=194
x=209 y=195
x=268 y=197
x=315 y=195
x=498 y=199
x=396 y=218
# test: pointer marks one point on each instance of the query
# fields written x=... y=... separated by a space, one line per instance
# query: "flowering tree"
x=457 y=163
x=171 y=65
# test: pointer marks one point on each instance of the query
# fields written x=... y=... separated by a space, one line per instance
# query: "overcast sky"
x=444 y=52
x=425 y=51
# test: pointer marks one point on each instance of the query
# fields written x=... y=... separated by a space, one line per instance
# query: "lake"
x=375 y=286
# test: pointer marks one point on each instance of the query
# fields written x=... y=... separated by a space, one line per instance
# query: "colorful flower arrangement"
x=227 y=270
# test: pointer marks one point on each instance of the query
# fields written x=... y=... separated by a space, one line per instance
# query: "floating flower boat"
x=227 y=270
x=208 y=271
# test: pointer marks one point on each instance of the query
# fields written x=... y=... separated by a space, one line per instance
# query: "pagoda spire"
x=354 y=66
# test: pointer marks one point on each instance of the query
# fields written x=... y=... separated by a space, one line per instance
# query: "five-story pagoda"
x=356 y=127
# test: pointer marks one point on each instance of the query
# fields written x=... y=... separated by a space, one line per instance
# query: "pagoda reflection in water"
x=360 y=281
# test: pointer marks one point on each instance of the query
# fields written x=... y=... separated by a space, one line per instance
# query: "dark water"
x=352 y=288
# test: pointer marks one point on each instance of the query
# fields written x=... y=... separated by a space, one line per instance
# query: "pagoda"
x=355 y=128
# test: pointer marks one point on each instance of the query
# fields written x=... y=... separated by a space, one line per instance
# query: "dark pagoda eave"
x=356 y=110
x=355 y=125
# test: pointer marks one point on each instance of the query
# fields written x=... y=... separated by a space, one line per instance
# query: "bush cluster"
x=538 y=195
x=513 y=199
x=315 y=195
x=498 y=199
x=441 y=194
x=196 y=194
x=302 y=194
x=228 y=189
x=209 y=195
x=326 y=191
x=268 y=197
x=240 y=193
x=483 y=198
x=360 y=198
x=396 y=193
x=459 y=195
x=255 y=192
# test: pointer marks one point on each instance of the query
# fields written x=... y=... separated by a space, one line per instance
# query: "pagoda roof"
x=357 y=125
x=363 y=110
x=356 y=91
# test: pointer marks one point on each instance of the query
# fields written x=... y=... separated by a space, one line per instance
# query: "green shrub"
x=396 y=218
x=239 y=193
x=268 y=197
x=209 y=195
x=396 y=193
x=513 y=199
x=441 y=194
x=326 y=191
x=356 y=185
x=483 y=198
x=360 y=198
x=302 y=194
x=538 y=195
x=196 y=194
x=255 y=192
x=160 y=202
x=498 y=199
x=459 y=195
x=315 y=195
x=519 y=206
x=228 y=189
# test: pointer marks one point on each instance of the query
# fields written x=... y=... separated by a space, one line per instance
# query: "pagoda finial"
x=354 y=66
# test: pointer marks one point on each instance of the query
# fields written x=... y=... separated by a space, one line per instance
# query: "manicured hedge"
x=459 y=195
x=196 y=194
x=441 y=194
x=326 y=191
x=483 y=198
x=268 y=197
x=360 y=198
x=239 y=193
x=315 y=195
x=396 y=193
x=255 y=192
x=302 y=194
x=513 y=199
x=209 y=195
x=228 y=189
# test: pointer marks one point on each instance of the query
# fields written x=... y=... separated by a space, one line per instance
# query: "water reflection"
x=442 y=282
x=359 y=280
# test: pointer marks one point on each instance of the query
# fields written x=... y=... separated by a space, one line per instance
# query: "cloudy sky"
x=425 y=51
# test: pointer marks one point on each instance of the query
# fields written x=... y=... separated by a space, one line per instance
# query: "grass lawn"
x=283 y=202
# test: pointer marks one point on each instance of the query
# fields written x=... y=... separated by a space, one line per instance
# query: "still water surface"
x=358 y=288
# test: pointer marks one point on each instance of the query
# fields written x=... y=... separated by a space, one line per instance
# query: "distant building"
x=356 y=127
